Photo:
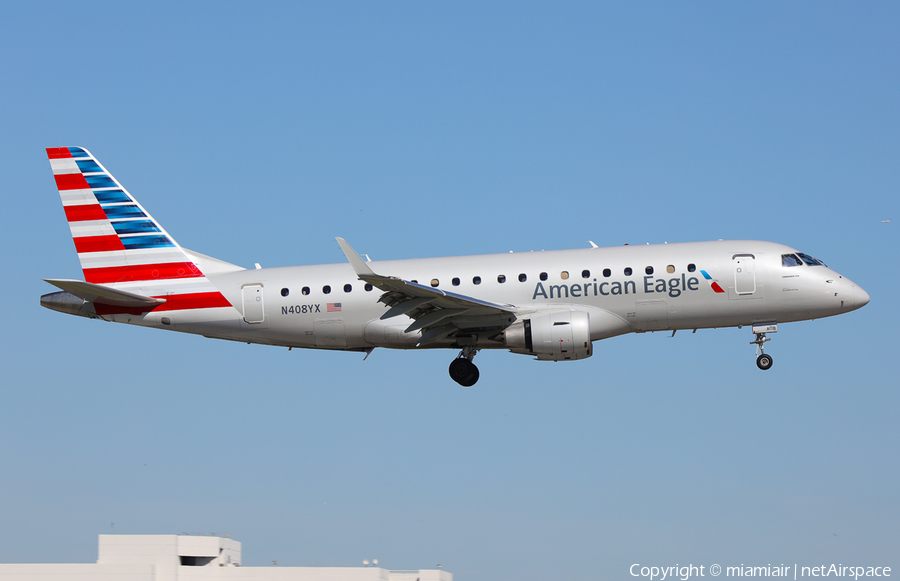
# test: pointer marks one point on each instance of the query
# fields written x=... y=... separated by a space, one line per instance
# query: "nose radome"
x=862 y=297
x=856 y=296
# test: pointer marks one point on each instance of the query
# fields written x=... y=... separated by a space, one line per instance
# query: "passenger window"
x=522 y=277
x=543 y=276
x=691 y=267
x=670 y=269
x=455 y=282
x=564 y=275
x=304 y=290
x=790 y=260
x=476 y=280
x=285 y=292
x=628 y=271
x=649 y=270
x=585 y=274
x=348 y=288
x=368 y=287
x=607 y=272
x=326 y=289
x=435 y=282
x=501 y=278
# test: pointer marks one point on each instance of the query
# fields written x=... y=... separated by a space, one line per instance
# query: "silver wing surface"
x=437 y=313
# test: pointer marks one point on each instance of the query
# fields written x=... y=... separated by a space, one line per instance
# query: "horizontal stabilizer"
x=104 y=295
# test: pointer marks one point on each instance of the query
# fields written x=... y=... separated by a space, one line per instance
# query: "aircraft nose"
x=862 y=297
x=856 y=296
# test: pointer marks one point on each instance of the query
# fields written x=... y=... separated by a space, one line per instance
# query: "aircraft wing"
x=436 y=312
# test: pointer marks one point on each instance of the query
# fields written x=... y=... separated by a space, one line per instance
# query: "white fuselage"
x=666 y=288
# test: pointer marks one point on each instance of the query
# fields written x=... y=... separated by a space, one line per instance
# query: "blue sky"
x=258 y=133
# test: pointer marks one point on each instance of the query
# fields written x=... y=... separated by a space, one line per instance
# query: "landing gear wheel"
x=763 y=361
x=459 y=368
x=472 y=378
x=463 y=372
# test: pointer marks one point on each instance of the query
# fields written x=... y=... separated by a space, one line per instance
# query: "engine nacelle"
x=556 y=336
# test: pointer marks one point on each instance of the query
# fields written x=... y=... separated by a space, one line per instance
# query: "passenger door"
x=253 y=303
x=744 y=274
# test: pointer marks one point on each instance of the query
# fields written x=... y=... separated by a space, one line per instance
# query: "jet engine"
x=554 y=336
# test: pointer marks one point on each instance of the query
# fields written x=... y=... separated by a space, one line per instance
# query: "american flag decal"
x=333 y=308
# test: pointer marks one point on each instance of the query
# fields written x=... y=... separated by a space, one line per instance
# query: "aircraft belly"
x=649 y=315
x=329 y=333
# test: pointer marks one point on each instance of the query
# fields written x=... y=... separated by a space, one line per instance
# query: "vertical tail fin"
x=119 y=243
x=116 y=239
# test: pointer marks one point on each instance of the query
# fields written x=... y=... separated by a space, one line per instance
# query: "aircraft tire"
x=472 y=378
x=463 y=372
x=764 y=361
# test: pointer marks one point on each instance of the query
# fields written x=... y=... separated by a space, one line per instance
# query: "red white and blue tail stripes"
x=118 y=243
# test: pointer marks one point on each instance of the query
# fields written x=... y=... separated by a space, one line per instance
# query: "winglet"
x=359 y=265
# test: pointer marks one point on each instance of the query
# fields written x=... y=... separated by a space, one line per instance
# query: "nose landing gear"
x=763 y=361
x=462 y=370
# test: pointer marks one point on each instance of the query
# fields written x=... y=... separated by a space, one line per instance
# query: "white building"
x=188 y=557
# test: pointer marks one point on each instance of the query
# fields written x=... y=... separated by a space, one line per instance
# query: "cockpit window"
x=810 y=260
x=790 y=260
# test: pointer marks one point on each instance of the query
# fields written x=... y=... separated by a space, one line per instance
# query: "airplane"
x=551 y=305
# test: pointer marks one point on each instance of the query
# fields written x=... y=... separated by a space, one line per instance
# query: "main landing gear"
x=462 y=370
x=763 y=361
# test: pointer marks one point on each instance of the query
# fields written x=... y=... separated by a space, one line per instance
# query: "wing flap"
x=436 y=333
x=433 y=318
x=404 y=307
